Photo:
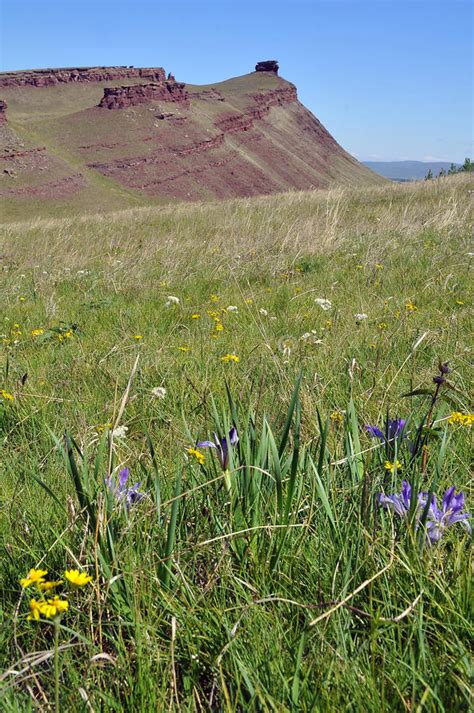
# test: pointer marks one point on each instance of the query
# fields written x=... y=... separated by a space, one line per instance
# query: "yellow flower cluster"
x=461 y=419
x=5 y=395
x=410 y=307
x=194 y=453
x=50 y=607
x=390 y=467
x=230 y=357
x=337 y=418
x=37 y=332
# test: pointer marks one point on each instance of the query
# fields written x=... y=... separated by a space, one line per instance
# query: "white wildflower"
x=263 y=312
x=323 y=303
x=159 y=392
x=172 y=300
x=232 y=308
x=360 y=316
x=120 y=432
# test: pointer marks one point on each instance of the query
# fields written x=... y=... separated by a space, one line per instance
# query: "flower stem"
x=56 y=665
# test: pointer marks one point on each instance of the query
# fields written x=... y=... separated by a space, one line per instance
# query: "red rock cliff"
x=49 y=77
x=122 y=97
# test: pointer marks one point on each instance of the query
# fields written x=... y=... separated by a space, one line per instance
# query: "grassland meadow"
x=235 y=455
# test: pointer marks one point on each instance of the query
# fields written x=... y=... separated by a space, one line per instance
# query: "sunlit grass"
x=275 y=583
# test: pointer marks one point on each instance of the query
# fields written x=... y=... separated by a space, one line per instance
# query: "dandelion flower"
x=35 y=576
x=138 y=337
x=76 y=578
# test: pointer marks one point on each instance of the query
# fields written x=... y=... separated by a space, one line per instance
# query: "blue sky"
x=391 y=79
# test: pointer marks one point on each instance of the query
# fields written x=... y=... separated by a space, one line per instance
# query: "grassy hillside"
x=276 y=582
x=93 y=158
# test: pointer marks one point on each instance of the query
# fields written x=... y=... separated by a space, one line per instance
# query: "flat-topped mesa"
x=123 y=97
x=69 y=75
x=269 y=65
x=3 y=111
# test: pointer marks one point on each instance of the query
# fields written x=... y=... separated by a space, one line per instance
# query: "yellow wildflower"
x=35 y=576
x=410 y=307
x=6 y=395
x=183 y=349
x=37 y=332
x=194 y=453
x=249 y=301
x=219 y=327
x=60 y=605
x=22 y=299
x=461 y=419
x=46 y=586
x=337 y=418
x=76 y=578
x=138 y=337
x=382 y=325
x=68 y=334
x=214 y=298
x=230 y=357
x=35 y=610
x=391 y=466
x=459 y=302
x=196 y=316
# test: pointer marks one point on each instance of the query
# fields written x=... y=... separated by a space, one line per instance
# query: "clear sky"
x=390 y=79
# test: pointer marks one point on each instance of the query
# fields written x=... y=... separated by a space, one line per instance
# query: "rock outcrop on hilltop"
x=50 y=77
x=122 y=97
x=3 y=111
x=269 y=65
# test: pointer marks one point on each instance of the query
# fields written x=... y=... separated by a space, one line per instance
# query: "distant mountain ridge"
x=407 y=170
x=101 y=138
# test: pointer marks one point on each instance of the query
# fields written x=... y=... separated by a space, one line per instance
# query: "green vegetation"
x=274 y=582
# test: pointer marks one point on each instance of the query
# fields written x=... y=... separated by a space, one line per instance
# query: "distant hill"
x=103 y=138
x=407 y=170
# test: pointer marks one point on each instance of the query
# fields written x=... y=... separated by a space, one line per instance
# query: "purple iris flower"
x=127 y=496
x=221 y=446
x=400 y=504
x=394 y=429
x=450 y=512
x=438 y=519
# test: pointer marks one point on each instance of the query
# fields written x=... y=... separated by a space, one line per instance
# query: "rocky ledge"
x=122 y=97
x=3 y=111
x=50 y=77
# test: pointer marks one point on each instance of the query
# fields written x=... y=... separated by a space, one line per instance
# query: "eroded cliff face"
x=123 y=97
x=3 y=111
x=50 y=77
